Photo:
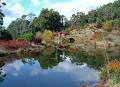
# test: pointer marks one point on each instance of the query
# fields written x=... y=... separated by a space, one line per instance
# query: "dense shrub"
x=114 y=66
x=38 y=38
x=47 y=35
x=26 y=37
x=116 y=22
x=107 y=26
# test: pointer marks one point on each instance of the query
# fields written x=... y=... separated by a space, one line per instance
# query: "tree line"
x=49 y=19
x=108 y=12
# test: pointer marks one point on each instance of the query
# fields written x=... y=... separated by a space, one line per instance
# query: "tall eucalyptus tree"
x=1 y=13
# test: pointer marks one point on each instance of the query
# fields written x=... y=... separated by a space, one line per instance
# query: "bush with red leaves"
x=14 y=44
x=99 y=25
x=37 y=41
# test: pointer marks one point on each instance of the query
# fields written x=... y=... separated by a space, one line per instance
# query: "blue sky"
x=16 y=8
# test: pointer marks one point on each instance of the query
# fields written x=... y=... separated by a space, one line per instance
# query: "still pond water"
x=54 y=70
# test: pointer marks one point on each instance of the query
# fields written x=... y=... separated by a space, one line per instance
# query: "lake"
x=52 y=68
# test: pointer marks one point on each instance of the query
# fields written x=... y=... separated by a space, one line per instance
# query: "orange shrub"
x=114 y=65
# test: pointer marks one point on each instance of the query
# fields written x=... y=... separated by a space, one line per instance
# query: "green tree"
x=92 y=16
x=5 y=35
x=1 y=13
x=19 y=26
x=110 y=11
x=79 y=19
x=48 y=19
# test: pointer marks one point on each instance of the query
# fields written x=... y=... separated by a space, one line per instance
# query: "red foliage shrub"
x=14 y=44
x=99 y=25
x=37 y=40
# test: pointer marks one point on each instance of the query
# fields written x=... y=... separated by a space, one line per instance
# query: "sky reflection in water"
x=31 y=74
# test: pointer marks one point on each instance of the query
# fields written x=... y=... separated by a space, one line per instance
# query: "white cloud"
x=80 y=72
x=68 y=9
x=13 y=68
x=35 y=2
x=17 y=9
x=14 y=8
x=73 y=6
x=12 y=12
x=7 y=20
x=77 y=72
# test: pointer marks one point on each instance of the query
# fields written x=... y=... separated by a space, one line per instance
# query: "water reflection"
x=2 y=74
x=31 y=74
x=53 y=68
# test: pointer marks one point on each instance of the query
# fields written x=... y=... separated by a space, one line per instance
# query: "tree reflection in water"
x=2 y=74
x=29 y=61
